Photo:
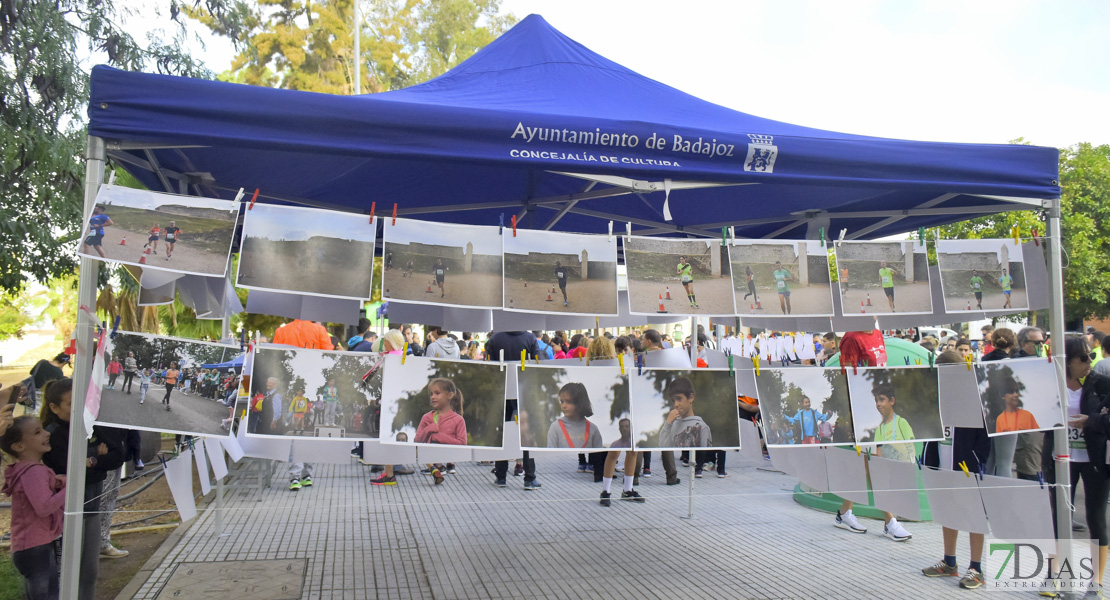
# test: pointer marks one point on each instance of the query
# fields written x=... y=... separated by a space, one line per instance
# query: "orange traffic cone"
x=869 y=299
x=668 y=292
x=552 y=290
x=758 y=306
x=549 y=297
x=969 y=304
x=510 y=302
x=123 y=242
x=662 y=309
x=861 y=308
x=142 y=257
x=429 y=290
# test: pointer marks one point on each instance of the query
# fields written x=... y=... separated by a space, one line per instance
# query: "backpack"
x=256 y=403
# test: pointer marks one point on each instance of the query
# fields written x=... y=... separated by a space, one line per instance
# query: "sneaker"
x=605 y=498
x=686 y=462
x=848 y=521
x=568 y=304
x=111 y=551
x=697 y=473
x=426 y=471
x=973 y=579
x=1050 y=587
x=437 y=476
x=941 y=569
x=139 y=466
x=532 y=485
x=294 y=485
x=632 y=496
x=518 y=470
x=1077 y=526
x=306 y=482
x=384 y=480
x=582 y=469
x=674 y=481
x=721 y=475
x=499 y=482
x=895 y=531
x=450 y=468
x=646 y=473
x=374 y=468
x=398 y=470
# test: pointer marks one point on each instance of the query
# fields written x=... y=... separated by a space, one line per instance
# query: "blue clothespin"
x=162 y=459
x=242 y=339
x=501 y=225
x=917 y=459
x=640 y=365
x=115 y=328
x=1040 y=478
x=907 y=359
x=383 y=310
x=982 y=471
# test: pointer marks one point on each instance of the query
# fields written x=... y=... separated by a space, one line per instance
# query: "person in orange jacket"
x=304 y=334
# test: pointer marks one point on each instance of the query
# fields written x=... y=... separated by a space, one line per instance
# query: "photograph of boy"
x=805 y=406
x=677 y=276
x=884 y=277
x=549 y=272
x=563 y=408
x=982 y=275
x=684 y=408
x=442 y=402
x=791 y=277
x=307 y=251
x=448 y=265
x=891 y=406
x=1019 y=395
x=126 y=226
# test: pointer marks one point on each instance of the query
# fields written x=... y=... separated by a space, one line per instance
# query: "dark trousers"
x=128 y=377
x=501 y=468
x=668 y=465
x=1095 y=492
x=169 y=388
x=645 y=457
x=717 y=456
x=597 y=460
x=39 y=568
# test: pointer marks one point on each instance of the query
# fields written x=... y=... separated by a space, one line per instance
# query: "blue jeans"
x=39 y=568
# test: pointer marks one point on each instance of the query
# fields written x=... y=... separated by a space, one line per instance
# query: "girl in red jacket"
x=38 y=498
x=443 y=424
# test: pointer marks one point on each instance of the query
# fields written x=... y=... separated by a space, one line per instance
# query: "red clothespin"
x=373 y=205
x=253 y=198
x=514 y=225
x=1036 y=240
x=394 y=213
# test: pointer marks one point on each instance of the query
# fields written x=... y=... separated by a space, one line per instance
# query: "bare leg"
x=950 y=538
x=788 y=309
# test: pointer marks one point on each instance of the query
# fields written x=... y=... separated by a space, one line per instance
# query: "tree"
x=308 y=46
x=1085 y=215
x=43 y=92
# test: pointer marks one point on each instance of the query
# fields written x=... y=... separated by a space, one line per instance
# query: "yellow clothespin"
x=620 y=359
x=404 y=352
x=597 y=322
x=917 y=361
x=1016 y=233
x=968 y=359
x=963 y=467
x=523 y=358
x=755 y=364
x=857 y=450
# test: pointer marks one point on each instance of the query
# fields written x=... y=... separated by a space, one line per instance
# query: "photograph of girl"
x=571 y=408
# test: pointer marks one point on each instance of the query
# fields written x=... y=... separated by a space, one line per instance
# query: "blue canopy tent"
x=537 y=126
x=234 y=363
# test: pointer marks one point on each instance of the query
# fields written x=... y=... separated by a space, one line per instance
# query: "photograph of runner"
x=438 y=263
x=895 y=405
x=306 y=251
x=442 y=402
x=982 y=275
x=126 y=226
x=794 y=272
x=805 y=406
x=677 y=276
x=561 y=273
x=1019 y=395
x=684 y=408
x=158 y=400
x=304 y=393
x=885 y=277
x=571 y=407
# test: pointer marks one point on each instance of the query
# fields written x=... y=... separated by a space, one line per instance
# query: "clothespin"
x=610 y=231
x=394 y=213
x=1040 y=478
x=907 y=359
x=242 y=339
x=982 y=470
x=514 y=225
x=628 y=229
x=404 y=352
x=501 y=358
x=523 y=357
x=840 y=240
x=115 y=328
x=501 y=224
x=640 y=366
x=597 y=322
x=854 y=368
x=112 y=178
x=917 y=459
x=724 y=236
x=162 y=459
x=253 y=198
x=755 y=364
x=821 y=232
x=1016 y=233
x=620 y=359
x=373 y=205
x=1049 y=354
x=239 y=196
x=858 y=451
x=1036 y=240
x=963 y=467
x=932 y=362
x=917 y=361
x=921 y=235
x=968 y=361
x=730 y=367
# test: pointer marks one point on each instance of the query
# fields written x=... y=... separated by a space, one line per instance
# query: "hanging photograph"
x=307 y=251
x=572 y=408
x=684 y=408
x=160 y=231
x=780 y=278
x=168 y=384
x=550 y=272
x=431 y=402
x=982 y=275
x=884 y=278
x=677 y=276
x=1019 y=395
x=805 y=406
x=302 y=393
x=437 y=263
x=892 y=406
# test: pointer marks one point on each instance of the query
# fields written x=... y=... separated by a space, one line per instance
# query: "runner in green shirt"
x=977 y=288
x=782 y=277
x=886 y=275
x=1007 y=283
x=686 y=275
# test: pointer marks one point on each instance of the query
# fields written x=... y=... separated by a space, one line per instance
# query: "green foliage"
x=154 y=352
x=11 y=582
x=483 y=388
x=13 y=315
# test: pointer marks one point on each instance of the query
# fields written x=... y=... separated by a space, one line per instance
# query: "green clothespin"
x=921 y=235
x=730 y=369
x=724 y=236
x=821 y=232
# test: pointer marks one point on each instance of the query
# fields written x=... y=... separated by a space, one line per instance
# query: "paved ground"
x=461 y=289
x=470 y=539
x=188 y=413
x=714 y=296
x=804 y=300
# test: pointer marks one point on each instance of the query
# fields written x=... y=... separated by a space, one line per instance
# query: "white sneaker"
x=111 y=551
x=895 y=531
x=848 y=521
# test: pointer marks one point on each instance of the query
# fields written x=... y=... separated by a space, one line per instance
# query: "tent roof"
x=499 y=134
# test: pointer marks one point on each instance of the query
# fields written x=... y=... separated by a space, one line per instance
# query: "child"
x=810 y=432
x=573 y=429
x=300 y=407
x=172 y=231
x=443 y=424
x=144 y=383
x=893 y=427
x=682 y=428
x=152 y=241
x=38 y=500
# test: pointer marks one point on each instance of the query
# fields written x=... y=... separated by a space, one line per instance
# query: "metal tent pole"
x=82 y=369
x=1056 y=327
x=358 y=51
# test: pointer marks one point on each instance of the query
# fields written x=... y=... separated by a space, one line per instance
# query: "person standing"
x=782 y=285
x=302 y=334
x=114 y=369
x=653 y=342
x=686 y=276
x=561 y=278
x=511 y=343
x=331 y=402
x=130 y=367
x=977 y=288
x=441 y=345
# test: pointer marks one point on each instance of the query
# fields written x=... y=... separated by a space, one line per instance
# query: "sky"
x=121 y=196
x=600 y=247
x=407 y=231
x=937 y=70
x=293 y=223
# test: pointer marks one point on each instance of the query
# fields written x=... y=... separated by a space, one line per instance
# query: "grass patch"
x=11 y=582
